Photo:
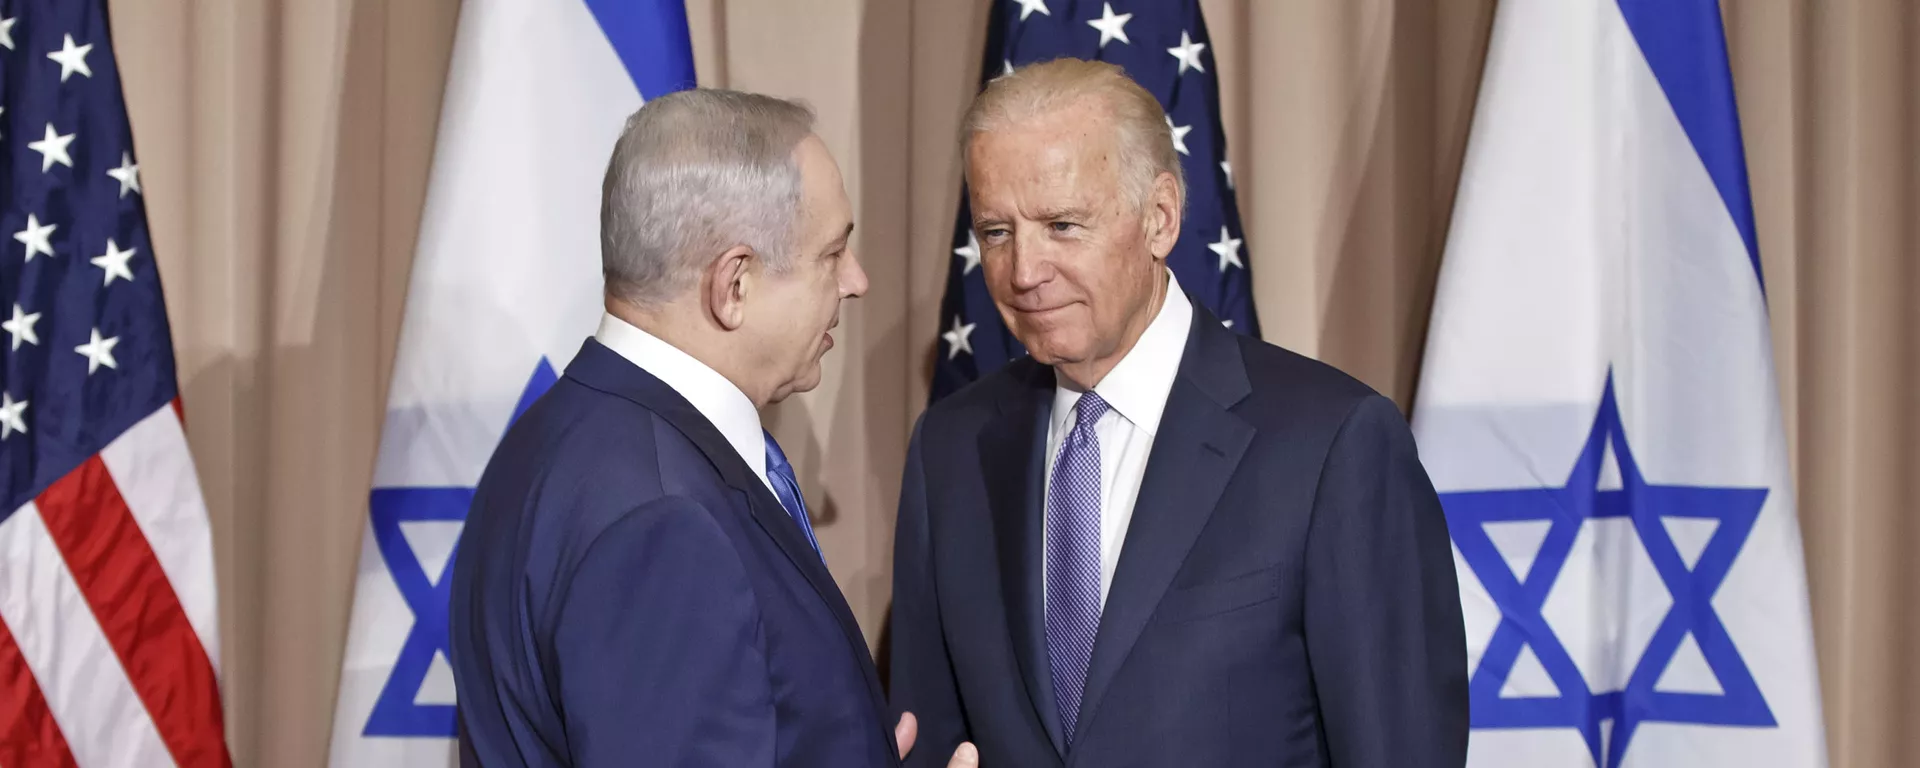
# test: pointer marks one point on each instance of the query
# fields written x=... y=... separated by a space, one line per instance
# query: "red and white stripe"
x=108 y=621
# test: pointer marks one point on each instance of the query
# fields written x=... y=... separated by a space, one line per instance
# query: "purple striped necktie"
x=1073 y=559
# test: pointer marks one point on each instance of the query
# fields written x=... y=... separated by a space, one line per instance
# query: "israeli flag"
x=1598 y=410
x=506 y=283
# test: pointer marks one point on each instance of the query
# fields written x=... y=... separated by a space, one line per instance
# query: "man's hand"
x=909 y=729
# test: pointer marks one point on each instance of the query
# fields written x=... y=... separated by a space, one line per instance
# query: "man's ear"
x=1163 y=215
x=729 y=278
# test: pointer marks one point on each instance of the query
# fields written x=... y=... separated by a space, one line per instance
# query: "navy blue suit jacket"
x=628 y=592
x=1285 y=594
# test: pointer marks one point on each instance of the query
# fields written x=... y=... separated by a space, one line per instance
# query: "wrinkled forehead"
x=1057 y=150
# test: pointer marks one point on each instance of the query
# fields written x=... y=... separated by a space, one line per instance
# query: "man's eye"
x=1063 y=226
x=994 y=233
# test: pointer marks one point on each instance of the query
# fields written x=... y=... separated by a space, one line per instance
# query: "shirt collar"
x=1139 y=384
x=712 y=394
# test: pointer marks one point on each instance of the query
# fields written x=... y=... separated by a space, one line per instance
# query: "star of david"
x=1521 y=598
x=395 y=712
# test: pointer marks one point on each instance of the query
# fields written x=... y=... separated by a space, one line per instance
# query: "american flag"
x=1163 y=45
x=107 y=618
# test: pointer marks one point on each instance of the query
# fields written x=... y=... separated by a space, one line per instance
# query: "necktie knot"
x=786 y=488
x=1088 y=411
x=776 y=458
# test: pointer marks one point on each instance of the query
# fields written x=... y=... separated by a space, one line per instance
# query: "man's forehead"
x=827 y=218
x=1043 y=158
x=1076 y=125
x=817 y=164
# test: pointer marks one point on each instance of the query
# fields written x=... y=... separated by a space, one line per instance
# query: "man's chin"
x=1052 y=350
x=806 y=382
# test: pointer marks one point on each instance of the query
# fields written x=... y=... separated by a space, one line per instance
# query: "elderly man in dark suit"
x=638 y=582
x=1155 y=542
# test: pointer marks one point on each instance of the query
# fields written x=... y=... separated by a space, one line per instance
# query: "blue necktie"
x=1073 y=559
x=787 y=488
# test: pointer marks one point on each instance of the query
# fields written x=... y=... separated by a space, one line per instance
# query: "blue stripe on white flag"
x=505 y=279
x=651 y=39
x=1597 y=408
x=1686 y=46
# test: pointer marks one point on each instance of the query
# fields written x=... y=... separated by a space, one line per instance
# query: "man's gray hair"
x=1145 y=137
x=695 y=173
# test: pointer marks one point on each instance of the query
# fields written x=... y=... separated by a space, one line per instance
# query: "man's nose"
x=853 y=282
x=1031 y=258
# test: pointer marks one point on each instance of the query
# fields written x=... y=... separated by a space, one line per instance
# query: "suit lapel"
x=605 y=370
x=1199 y=445
x=1012 y=461
x=774 y=519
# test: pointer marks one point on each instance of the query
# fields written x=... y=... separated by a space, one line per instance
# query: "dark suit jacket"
x=1285 y=595
x=628 y=592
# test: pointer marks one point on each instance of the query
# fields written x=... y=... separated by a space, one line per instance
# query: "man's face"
x=1068 y=256
x=795 y=311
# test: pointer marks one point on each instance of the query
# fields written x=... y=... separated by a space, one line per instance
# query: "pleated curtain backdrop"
x=285 y=147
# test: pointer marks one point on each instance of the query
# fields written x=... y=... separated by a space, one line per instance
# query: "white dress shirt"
x=716 y=398
x=1136 y=391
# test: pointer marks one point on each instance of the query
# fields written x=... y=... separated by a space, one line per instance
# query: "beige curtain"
x=285 y=145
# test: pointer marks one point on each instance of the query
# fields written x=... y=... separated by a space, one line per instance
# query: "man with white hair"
x=638 y=582
x=1156 y=542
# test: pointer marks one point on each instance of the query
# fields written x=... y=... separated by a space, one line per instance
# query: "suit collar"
x=1212 y=361
x=1138 y=385
x=713 y=395
x=600 y=368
